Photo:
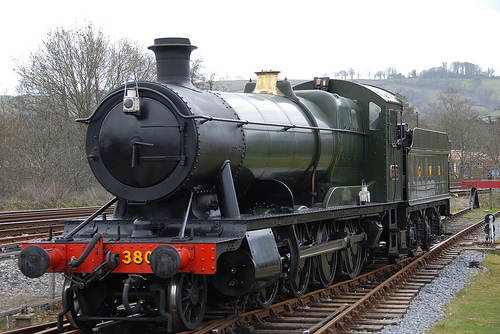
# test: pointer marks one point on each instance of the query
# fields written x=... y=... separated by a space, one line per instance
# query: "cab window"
x=375 y=116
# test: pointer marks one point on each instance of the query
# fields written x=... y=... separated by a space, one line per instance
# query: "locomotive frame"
x=239 y=197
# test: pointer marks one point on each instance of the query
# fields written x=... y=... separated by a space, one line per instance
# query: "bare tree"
x=490 y=139
x=199 y=79
x=454 y=115
x=9 y=128
x=64 y=79
x=343 y=74
x=410 y=115
x=3 y=147
x=351 y=72
x=74 y=69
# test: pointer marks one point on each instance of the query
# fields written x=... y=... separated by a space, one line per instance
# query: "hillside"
x=484 y=93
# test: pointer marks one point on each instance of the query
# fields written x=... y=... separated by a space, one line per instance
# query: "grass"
x=476 y=309
x=41 y=316
x=462 y=202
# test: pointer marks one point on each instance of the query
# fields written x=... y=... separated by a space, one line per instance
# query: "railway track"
x=459 y=191
x=367 y=303
x=37 y=215
x=20 y=226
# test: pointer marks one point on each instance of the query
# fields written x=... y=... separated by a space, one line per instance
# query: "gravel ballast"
x=18 y=290
x=428 y=306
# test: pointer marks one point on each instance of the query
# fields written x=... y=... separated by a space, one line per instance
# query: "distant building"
x=479 y=166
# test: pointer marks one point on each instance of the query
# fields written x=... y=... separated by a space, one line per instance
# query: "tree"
x=491 y=140
x=64 y=79
x=74 y=69
x=9 y=128
x=199 y=79
x=351 y=72
x=410 y=116
x=3 y=147
x=471 y=69
x=389 y=72
x=454 y=115
x=342 y=74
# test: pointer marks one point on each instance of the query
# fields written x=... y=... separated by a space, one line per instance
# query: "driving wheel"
x=353 y=256
x=326 y=263
x=299 y=285
x=267 y=295
x=187 y=300
x=70 y=301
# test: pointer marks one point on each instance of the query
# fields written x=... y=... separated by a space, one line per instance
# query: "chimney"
x=173 y=60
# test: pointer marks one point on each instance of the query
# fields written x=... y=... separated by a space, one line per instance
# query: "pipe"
x=186 y=215
x=131 y=281
x=74 y=263
x=89 y=219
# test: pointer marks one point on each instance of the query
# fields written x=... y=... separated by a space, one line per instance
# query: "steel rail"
x=17 y=240
x=27 y=215
x=20 y=226
x=43 y=227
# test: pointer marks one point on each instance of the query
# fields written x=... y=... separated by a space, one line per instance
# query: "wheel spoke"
x=327 y=263
x=188 y=297
x=266 y=296
x=299 y=286
x=353 y=256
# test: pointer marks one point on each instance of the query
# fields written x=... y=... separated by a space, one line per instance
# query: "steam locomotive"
x=239 y=197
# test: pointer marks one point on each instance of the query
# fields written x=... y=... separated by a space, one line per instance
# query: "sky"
x=302 y=39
